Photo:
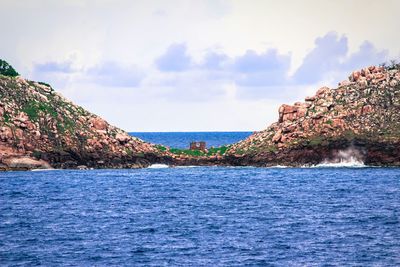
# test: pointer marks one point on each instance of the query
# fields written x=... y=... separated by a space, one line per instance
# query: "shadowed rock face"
x=36 y=123
x=364 y=112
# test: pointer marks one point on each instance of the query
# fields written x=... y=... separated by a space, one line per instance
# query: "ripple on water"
x=211 y=216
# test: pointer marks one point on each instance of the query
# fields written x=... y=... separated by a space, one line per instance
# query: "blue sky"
x=195 y=65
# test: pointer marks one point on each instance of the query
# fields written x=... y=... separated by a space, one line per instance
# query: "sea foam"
x=158 y=166
x=345 y=163
x=348 y=158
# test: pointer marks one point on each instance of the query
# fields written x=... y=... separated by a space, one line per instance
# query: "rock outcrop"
x=363 y=113
x=39 y=128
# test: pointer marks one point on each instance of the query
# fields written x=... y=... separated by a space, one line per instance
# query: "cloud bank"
x=188 y=65
x=264 y=74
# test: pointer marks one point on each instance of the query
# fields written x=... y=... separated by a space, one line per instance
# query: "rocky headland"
x=360 y=119
x=39 y=128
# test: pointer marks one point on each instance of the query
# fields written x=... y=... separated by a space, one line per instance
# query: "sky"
x=206 y=65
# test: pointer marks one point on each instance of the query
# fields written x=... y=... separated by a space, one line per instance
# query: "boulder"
x=122 y=138
x=310 y=98
x=393 y=83
x=287 y=113
x=355 y=75
x=344 y=83
x=277 y=137
x=323 y=91
x=362 y=82
x=5 y=133
x=98 y=123
x=365 y=72
x=366 y=109
x=337 y=123
x=22 y=117
x=26 y=163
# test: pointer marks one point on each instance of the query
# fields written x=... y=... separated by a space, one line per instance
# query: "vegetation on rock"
x=36 y=121
x=365 y=109
x=7 y=70
x=213 y=151
x=39 y=127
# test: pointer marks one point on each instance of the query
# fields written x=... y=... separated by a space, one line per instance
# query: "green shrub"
x=7 y=117
x=217 y=150
x=239 y=151
x=129 y=152
x=37 y=154
x=316 y=141
x=272 y=149
x=45 y=84
x=7 y=70
x=140 y=155
x=188 y=152
x=33 y=108
x=197 y=153
x=31 y=111
x=161 y=148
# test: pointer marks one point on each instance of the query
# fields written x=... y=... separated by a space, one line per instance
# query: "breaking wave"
x=158 y=166
x=348 y=158
x=352 y=163
x=278 y=167
x=44 y=170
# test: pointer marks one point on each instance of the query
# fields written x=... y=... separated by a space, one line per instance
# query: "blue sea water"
x=201 y=216
x=182 y=139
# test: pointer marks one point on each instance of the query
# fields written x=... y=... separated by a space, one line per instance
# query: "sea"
x=182 y=140
x=344 y=214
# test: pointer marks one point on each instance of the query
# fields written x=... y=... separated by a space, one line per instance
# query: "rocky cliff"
x=39 y=128
x=361 y=117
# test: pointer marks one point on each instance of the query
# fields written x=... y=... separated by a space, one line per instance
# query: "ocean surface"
x=201 y=216
x=182 y=139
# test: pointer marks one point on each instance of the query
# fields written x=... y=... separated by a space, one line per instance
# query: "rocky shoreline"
x=362 y=113
x=39 y=128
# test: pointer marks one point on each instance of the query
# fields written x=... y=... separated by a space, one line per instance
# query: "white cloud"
x=174 y=59
x=71 y=44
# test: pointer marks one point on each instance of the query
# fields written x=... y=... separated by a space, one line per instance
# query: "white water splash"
x=349 y=158
x=158 y=166
x=44 y=170
x=351 y=163
x=278 y=167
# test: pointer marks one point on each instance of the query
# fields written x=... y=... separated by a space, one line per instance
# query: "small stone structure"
x=198 y=146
